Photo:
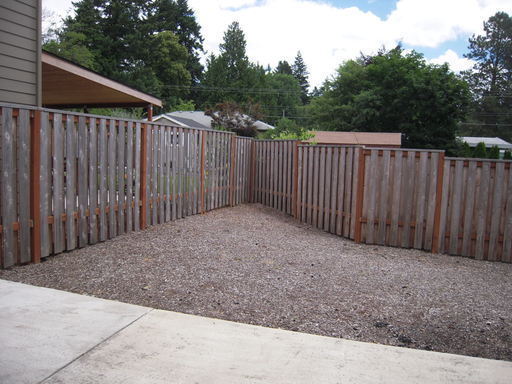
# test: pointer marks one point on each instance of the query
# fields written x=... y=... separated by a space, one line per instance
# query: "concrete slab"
x=167 y=347
x=42 y=330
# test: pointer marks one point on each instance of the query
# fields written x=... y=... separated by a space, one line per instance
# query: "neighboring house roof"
x=488 y=141
x=375 y=139
x=67 y=85
x=180 y=121
x=198 y=119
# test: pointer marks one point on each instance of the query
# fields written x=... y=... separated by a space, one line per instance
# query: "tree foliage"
x=494 y=152
x=233 y=117
x=490 y=79
x=300 y=72
x=232 y=77
x=284 y=68
x=394 y=92
x=480 y=151
x=152 y=45
x=287 y=129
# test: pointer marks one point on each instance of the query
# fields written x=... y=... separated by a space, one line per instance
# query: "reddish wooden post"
x=203 y=150
x=359 y=196
x=35 y=186
x=232 y=171
x=295 y=181
x=149 y=110
x=439 y=196
x=143 y=174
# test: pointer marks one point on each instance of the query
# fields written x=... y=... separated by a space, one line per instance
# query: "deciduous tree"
x=394 y=92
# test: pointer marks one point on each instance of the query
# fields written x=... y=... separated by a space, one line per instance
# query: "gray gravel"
x=253 y=265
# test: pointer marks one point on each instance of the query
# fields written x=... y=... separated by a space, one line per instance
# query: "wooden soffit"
x=67 y=85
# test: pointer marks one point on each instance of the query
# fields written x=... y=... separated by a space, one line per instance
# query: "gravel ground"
x=253 y=265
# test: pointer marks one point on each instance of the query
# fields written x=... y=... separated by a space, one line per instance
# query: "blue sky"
x=381 y=8
x=329 y=32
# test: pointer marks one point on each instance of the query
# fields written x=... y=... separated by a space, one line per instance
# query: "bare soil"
x=253 y=265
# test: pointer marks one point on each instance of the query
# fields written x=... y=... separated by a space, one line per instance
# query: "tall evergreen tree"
x=152 y=45
x=177 y=17
x=300 y=72
x=233 y=53
x=284 y=68
x=490 y=79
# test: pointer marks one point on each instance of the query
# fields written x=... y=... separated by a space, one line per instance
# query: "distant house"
x=368 y=139
x=198 y=119
x=489 y=142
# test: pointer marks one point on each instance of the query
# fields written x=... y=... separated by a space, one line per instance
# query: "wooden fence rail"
x=396 y=197
x=68 y=180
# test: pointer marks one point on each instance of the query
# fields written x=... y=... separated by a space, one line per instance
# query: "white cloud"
x=455 y=62
x=328 y=35
x=430 y=23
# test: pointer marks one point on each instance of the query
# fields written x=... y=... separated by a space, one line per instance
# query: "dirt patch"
x=253 y=265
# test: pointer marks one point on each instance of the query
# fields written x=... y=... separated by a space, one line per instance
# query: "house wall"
x=20 y=51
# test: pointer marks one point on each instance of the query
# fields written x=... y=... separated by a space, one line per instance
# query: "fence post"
x=439 y=197
x=143 y=175
x=232 y=170
x=295 y=176
x=35 y=186
x=359 y=196
x=203 y=151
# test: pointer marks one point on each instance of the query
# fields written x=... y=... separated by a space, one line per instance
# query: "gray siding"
x=20 y=51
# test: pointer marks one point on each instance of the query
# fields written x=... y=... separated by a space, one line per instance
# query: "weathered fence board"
x=478 y=201
x=97 y=176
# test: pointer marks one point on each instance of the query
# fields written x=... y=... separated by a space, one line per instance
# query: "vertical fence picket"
x=23 y=162
x=71 y=206
x=121 y=172
x=58 y=184
x=8 y=203
x=102 y=143
x=44 y=183
x=112 y=195
x=137 y=170
x=129 y=177
x=93 y=181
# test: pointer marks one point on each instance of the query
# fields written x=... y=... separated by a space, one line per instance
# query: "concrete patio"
x=50 y=336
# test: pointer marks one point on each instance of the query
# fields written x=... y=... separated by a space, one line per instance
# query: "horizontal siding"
x=15 y=17
x=16 y=40
x=20 y=64
x=23 y=76
x=17 y=86
x=28 y=32
x=20 y=7
x=19 y=50
x=17 y=98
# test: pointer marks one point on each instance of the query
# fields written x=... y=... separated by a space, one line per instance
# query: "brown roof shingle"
x=357 y=138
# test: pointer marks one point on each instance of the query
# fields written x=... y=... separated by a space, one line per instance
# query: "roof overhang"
x=67 y=85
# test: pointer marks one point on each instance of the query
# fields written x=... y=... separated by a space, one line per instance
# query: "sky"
x=329 y=32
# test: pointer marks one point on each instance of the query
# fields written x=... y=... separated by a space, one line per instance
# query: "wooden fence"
x=274 y=174
x=395 y=197
x=327 y=178
x=476 y=209
x=399 y=197
x=69 y=180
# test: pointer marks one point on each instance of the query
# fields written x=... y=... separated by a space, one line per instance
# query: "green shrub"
x=480 y=151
